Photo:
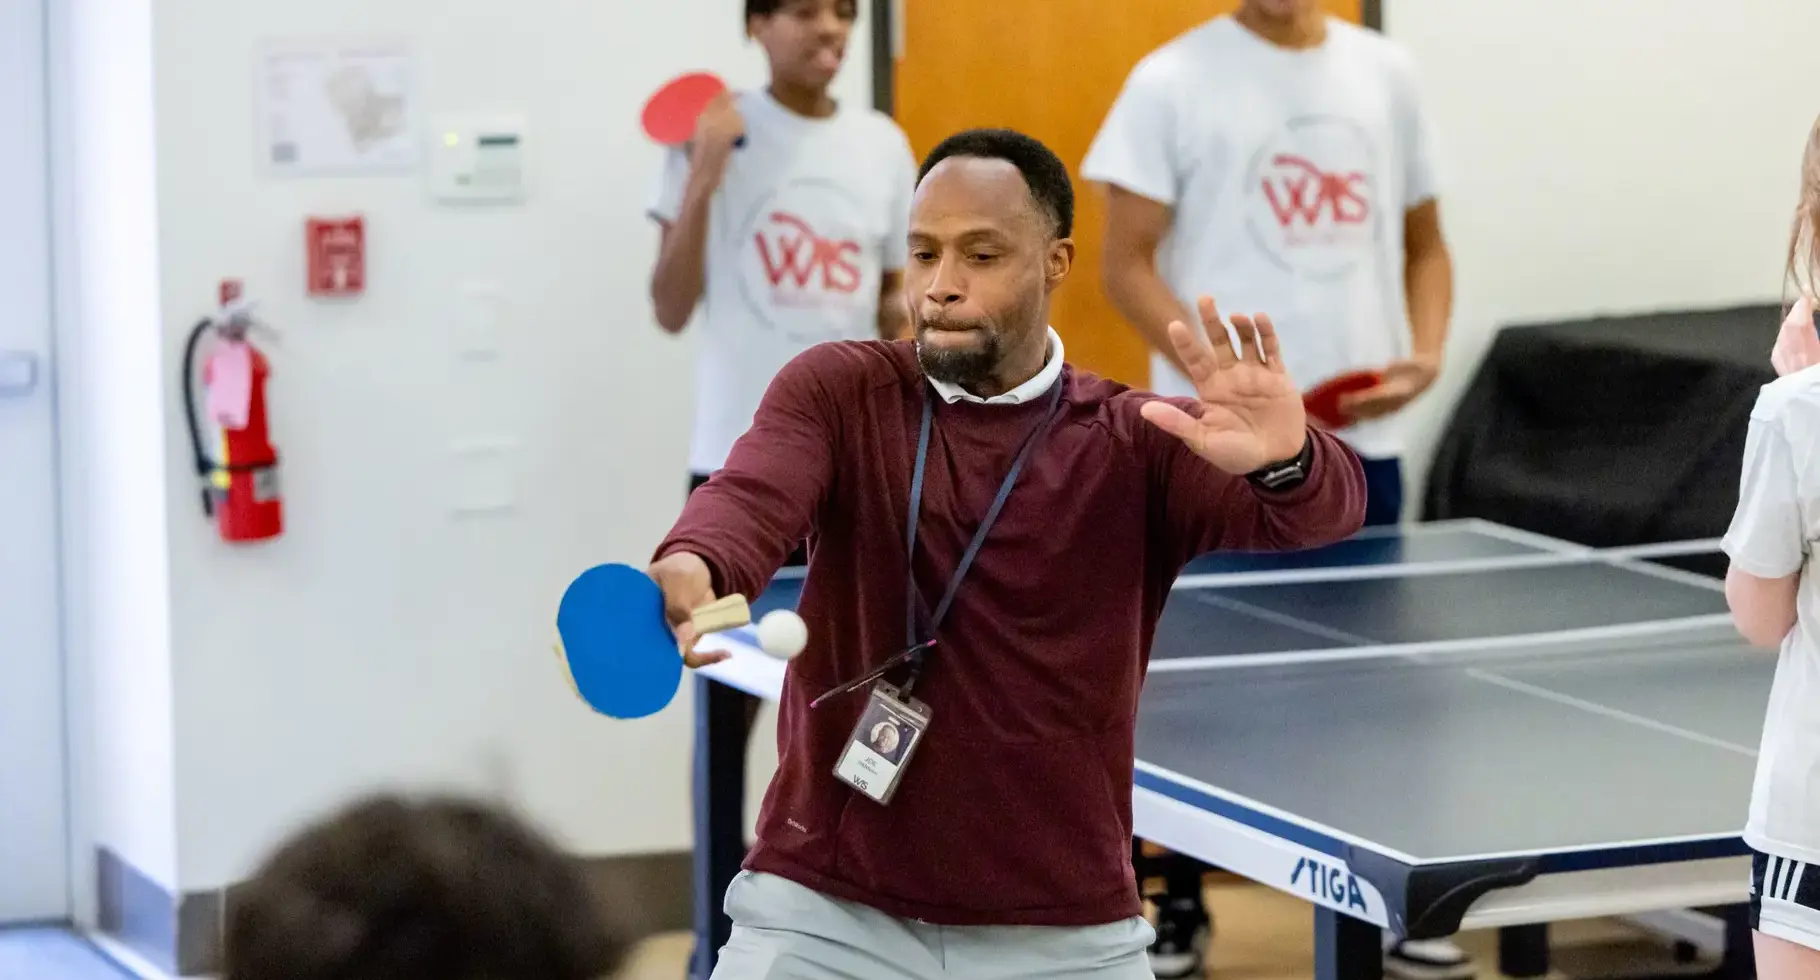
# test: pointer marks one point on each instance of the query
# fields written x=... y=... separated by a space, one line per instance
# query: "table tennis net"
x=1703 y=629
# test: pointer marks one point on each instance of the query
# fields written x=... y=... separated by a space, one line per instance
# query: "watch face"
x=1280 y=475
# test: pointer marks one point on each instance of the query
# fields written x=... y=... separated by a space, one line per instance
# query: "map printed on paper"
x=337 y=108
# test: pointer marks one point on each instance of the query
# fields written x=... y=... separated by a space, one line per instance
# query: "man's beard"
x=965 y=365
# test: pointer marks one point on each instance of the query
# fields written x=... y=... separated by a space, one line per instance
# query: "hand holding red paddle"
x=696 y=109
x=1322 y=402
x=718 y=131
x=1398 y=385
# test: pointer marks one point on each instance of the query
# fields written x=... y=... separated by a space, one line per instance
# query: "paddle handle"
x=725 y=613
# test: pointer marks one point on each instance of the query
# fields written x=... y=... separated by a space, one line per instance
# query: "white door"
x=34 y=870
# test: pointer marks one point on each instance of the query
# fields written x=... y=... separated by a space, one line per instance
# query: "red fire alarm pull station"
x=337 y=255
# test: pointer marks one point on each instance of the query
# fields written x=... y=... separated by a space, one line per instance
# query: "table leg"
x=1346 y=948
x=720 y=813
x=1523 y=950
x=1740 y=957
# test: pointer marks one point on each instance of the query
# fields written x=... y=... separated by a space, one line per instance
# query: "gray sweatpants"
x=784 y=931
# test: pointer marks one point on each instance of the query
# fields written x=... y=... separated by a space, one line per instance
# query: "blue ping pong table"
x=1440 y=727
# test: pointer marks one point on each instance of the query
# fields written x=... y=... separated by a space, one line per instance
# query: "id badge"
x=882 y=743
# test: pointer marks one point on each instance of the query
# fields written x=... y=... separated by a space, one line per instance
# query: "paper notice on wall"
x=478 y=321
x=229 y=373
x=337 y=108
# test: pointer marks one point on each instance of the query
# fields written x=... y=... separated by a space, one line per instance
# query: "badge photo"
x=882 y=743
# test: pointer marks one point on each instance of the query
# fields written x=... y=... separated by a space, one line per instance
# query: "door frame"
x=50 y=907
x=884 y=14
x=884 y=55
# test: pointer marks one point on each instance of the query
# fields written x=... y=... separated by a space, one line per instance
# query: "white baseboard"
x=123 y=954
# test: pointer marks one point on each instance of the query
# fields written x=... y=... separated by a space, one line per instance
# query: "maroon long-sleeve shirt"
x=1016 y=808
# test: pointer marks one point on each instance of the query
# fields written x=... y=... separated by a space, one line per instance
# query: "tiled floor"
x=52 y=954
x=1265 y=935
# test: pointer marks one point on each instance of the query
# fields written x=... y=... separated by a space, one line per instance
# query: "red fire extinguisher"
x=240 y=483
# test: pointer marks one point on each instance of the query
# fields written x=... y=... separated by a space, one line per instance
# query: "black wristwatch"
x=1286 y=475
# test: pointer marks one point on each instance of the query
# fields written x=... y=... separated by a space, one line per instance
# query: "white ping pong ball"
x=782 y=634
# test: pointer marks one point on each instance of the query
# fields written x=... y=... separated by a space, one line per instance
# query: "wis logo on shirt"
x=793 y=253
x=1311 y=199
x=803 y=267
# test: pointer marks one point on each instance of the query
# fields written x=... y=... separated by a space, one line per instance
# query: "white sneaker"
x=1183 y=933
x=1427 y=959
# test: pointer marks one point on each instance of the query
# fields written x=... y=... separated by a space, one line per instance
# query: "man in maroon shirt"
x=992 y=535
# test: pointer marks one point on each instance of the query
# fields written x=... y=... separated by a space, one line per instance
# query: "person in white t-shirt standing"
x=1281 y=159
x=785 y=220
x=1775 y=604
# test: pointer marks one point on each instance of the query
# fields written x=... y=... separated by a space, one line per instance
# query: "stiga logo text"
x=1329 y=884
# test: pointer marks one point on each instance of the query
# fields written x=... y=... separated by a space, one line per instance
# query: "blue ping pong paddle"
x=620 y=654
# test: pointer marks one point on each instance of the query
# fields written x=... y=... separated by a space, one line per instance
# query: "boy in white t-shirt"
x=1776 y=605
x=793 y=237
x=1280 y=160
x=786 y=221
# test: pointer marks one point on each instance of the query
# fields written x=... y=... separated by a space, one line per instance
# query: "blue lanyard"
x=914 y=603
x=921 y=640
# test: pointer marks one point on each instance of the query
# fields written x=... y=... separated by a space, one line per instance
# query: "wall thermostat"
x=478 y=159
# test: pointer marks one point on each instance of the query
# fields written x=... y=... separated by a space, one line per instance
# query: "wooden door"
x=962 y=65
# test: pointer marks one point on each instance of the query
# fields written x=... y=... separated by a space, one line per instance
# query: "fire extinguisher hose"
x=204 y=465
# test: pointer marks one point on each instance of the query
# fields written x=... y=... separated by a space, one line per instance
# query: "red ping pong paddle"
x=671 y=112
x=616 y=644
x=1322 y=402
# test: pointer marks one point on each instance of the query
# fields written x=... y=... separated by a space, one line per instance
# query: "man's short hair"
x=396 y=889
x=1044 y=172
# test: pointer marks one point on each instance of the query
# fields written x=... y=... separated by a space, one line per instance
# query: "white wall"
x=385 y=638
x=110 y=382
x=224 y=692
x=1612 y=155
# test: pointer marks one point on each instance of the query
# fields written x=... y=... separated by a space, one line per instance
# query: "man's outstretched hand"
x=1250 y=411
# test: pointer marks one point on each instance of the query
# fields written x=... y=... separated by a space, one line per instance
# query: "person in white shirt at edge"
x=785 y=219
x=1775 y=603
x=1282 y=156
